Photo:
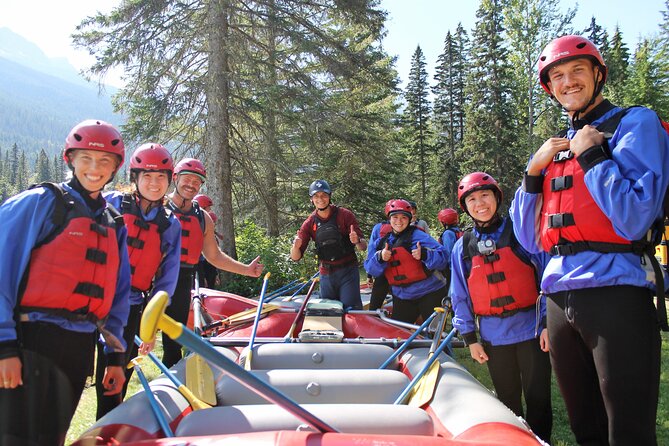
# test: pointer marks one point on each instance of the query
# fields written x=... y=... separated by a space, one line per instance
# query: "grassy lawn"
x=562 y=436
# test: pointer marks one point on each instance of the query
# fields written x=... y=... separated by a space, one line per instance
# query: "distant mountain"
x=42 y=98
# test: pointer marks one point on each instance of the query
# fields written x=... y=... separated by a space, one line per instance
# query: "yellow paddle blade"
x=200 y=379
x=423 y=391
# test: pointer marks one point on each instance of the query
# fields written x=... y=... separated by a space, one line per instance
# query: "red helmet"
x=152 y=156
x=566 y=48
x=213 y=217
x=399 y=207
x=204 y=201
x=95 y=135
x=191 y=165
x=448 y=217
x=387 y=208
x=477 y=181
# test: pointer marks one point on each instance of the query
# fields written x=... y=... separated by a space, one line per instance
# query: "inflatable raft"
x=314 y=375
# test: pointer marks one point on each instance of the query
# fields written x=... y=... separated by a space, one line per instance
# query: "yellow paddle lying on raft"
x=424 y=389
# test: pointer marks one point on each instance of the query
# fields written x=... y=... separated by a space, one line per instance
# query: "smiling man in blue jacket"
x=589 y=198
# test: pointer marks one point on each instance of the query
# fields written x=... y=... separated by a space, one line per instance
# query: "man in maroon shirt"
x=336 y=233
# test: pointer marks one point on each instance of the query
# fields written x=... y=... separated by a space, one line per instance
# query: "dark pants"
x=380 y=290
x=409 y=310
x=55 y=365
x=605 y=350
x=342 y=284
x=522 y=368
x=207 y=274
x=178 y=310
x=108 y=402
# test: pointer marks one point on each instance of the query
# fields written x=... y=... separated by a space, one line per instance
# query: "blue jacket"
x=628 y=187
x=448 y=239
x=27 y=221
x=170 y=248
x=518 y=327
x=436 y=258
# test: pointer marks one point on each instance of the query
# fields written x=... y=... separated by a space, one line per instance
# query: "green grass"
x=562 y=436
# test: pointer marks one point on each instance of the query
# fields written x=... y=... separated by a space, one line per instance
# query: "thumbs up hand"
x=297 y=243
x=353 y=236
x=386 y=253
x=417 y=252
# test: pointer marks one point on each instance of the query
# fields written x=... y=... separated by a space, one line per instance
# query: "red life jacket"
x=144 y=239
x=73 y=272
x=402 y=268
x=192 y=233
x=503 y=282
x=331 y=245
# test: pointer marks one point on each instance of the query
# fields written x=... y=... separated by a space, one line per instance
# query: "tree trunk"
x=272 y=151
x=218 y=120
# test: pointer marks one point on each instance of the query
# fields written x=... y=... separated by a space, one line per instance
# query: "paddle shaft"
x=155 y=407
x=434 y=356
x=256 y=321
x=406 y=343
x=289 y=299
x=289 y=335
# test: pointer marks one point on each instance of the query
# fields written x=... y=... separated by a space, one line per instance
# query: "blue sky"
x=426 y=22
x=49 y=23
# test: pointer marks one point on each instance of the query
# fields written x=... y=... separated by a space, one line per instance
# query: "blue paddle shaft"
x=160 y=416
x=408 y=341
x=434 y=357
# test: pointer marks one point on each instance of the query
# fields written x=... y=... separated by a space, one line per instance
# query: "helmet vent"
x=115 y=141
x=580 y=45
x=165 y=161
x=543 y=58
x=78 y=137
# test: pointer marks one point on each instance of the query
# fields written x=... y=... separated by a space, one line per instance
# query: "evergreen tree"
x=643 y=83
x=490 y=140
x=13 y=165
x=247 y=95
x=22 y=173
x=57 y=169
x=416 y=118
x=448 y=113
x=617 y=61
x=530 y=26
x=43 y=170
x=594 y=32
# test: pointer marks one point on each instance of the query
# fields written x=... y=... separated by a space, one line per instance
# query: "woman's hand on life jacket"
x=386 y=253
x=353 y=236
x=543 y=157
x=10 y=373
x=478 y=353
x=417 y=252
x=544 y=341
x=585 y=138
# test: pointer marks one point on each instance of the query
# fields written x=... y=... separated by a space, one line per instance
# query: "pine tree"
x=617 y=61
x=13 y=165
x=530 y=26
x=490 y=140
x=57 y=169
x=22 y=173
x=594 y=32
x=43 y=168
x=448 y=113
x=416 y=118
x=643 y=83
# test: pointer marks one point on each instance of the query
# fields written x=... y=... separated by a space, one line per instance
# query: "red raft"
x=326 y=363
